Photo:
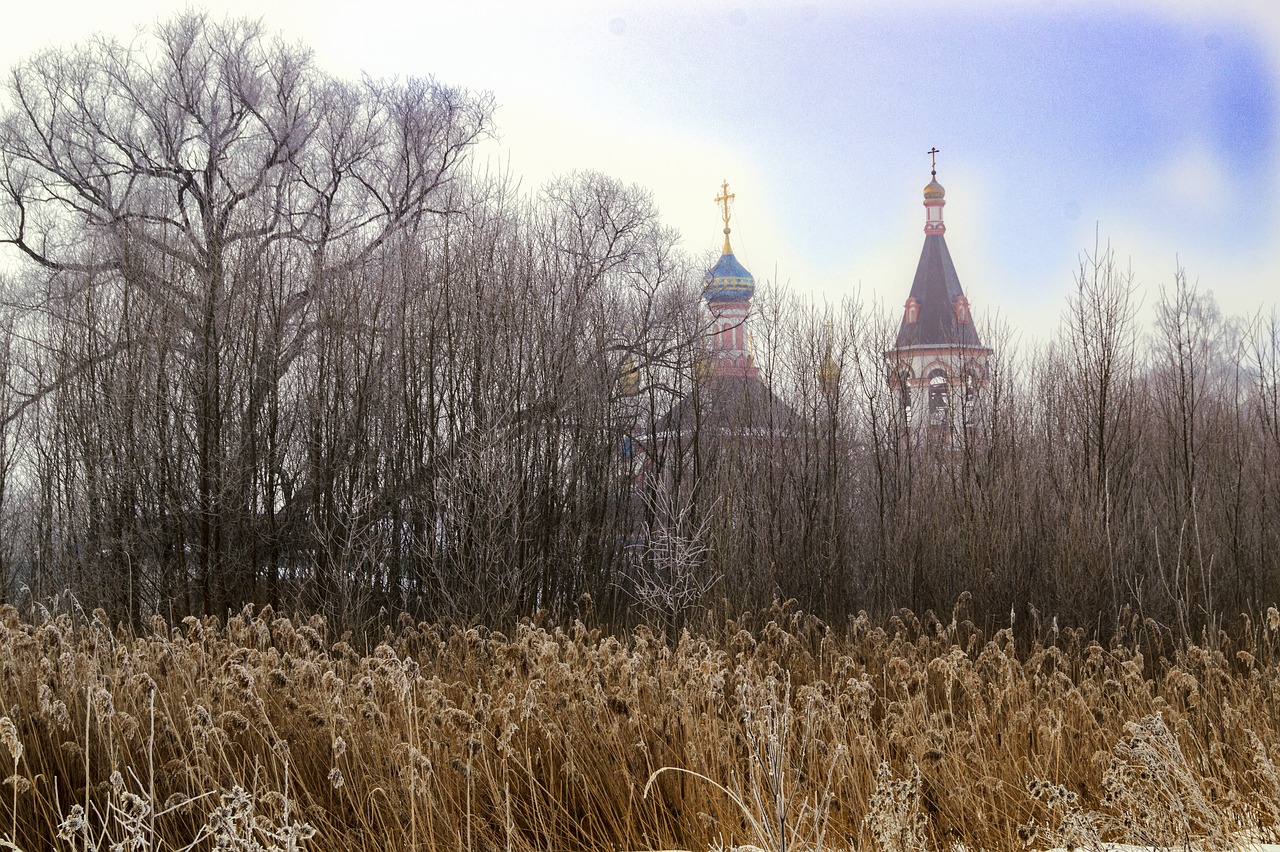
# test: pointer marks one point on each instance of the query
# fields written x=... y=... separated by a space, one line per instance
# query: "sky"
x=1148 y=125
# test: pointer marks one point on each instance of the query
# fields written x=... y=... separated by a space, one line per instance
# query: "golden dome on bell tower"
x=934 y=191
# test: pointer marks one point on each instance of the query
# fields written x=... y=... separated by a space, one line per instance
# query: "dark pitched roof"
x=729 y=404
x=936 y=289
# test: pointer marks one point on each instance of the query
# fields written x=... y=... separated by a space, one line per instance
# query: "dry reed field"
x=777 y=731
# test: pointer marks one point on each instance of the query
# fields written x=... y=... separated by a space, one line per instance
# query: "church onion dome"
x=728 y=281
x=934 y=191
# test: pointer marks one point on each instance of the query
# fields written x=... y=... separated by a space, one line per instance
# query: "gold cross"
x=723 y=200
x=933 y=158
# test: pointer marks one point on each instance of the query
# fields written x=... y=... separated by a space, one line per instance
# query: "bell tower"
x=938 y=365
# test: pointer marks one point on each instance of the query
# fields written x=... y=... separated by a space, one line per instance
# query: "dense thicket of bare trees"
x=270 y=337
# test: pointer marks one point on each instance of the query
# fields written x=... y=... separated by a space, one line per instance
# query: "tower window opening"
x=904 y=391
x=939 y=397
x=962 y=310
x=970 y=397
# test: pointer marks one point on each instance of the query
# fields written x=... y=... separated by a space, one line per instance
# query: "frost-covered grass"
x=778 y=732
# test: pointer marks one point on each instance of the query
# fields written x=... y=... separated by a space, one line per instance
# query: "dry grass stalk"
x=780 y=732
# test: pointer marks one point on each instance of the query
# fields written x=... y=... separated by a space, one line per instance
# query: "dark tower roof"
x=937 y=312
x=936 y=290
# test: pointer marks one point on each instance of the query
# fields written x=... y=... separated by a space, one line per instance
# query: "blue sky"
x=1150 y=123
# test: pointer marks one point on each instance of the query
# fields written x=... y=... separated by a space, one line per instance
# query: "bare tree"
x=1095 y=416
x=176 y=175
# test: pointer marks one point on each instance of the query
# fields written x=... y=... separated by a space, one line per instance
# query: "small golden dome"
x=628 y=378
x=829 y=375
x=934 y=191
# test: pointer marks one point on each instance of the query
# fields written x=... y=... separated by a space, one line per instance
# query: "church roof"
x=936 y=290
x=729 y=404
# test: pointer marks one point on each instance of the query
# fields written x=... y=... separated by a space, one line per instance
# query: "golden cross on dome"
x=933 y=159
x=723 y=200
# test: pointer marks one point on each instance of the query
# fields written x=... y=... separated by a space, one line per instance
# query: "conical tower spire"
x=936 y=312
x=938 y=359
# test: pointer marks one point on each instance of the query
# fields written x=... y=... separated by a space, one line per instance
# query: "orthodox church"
x=938 y=365
x=728 y=397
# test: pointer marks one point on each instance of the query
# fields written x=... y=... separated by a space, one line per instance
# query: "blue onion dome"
x=728 y=281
